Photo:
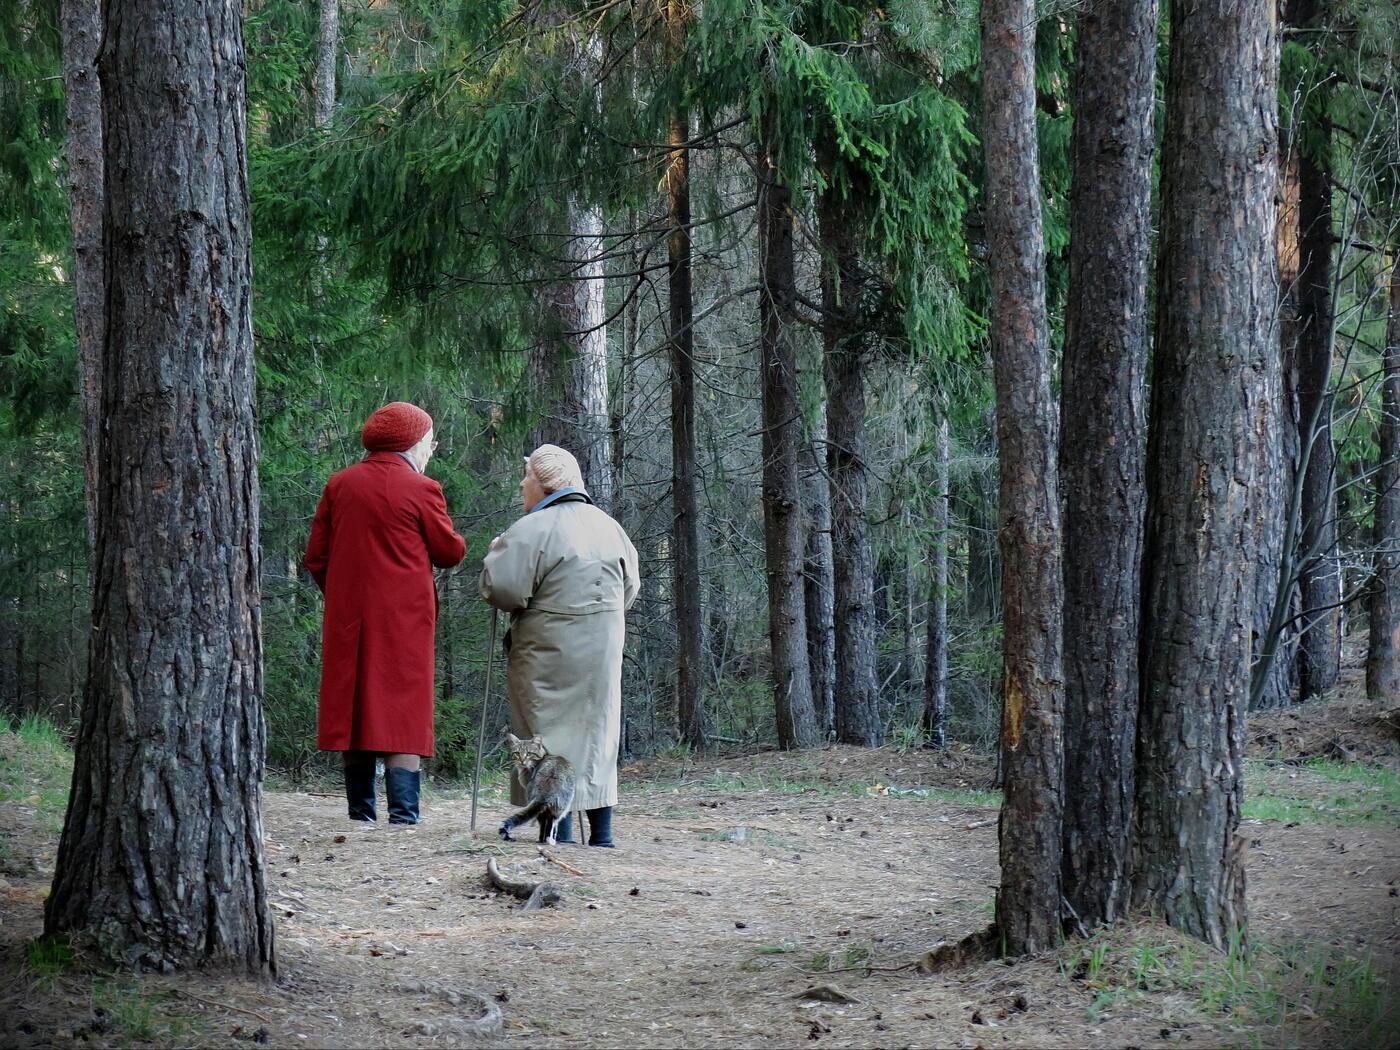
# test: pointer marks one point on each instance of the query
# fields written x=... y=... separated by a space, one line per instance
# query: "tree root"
x=536 y=893
x=488 y=1024
x=982 y=946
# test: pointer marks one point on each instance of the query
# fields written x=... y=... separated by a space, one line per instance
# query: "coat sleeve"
x=508 y=571
x=445 y=547
x=631 y=573
x=318 y=548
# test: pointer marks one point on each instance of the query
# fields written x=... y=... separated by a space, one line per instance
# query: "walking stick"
x=485 y=704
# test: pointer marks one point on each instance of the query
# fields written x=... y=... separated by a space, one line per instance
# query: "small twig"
x=556 y=861
x=223 y=1006
x=873 y=969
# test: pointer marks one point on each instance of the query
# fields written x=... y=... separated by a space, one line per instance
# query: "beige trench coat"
x=567 y=574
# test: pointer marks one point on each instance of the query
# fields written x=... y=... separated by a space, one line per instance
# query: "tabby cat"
x=549 y=782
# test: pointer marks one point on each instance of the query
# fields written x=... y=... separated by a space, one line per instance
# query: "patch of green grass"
x=135 y=1015
x=819 y=963
x=47 y=957
x=1286 y=993
x=786 y=948
x=35 y=769
x=1322 y=791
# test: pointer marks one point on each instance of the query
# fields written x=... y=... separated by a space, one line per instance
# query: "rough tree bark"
x=1103 y=444
x=1320 y=574
x=857 y=697
x=782 y=439
x=818 y=588
x=1383 y=655
x=935 y=718
x=1215 y=370
x=82 y=28
x=161 y=857
x=1028 y=905
x=685 y=528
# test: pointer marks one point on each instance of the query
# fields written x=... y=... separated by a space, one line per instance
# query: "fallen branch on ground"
x=556 y=861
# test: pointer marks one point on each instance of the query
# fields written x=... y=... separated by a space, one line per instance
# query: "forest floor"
x=741 y=884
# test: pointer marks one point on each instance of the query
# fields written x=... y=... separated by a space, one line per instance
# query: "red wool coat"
x=378 y=531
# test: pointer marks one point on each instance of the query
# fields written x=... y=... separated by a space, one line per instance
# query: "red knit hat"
x=396 y=427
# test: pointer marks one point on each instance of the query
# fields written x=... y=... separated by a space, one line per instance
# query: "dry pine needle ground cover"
x=742 y=884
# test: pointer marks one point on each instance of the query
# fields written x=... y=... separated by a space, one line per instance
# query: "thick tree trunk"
x=818 y=586
x=1028 y=905
x=1214 y=389
x=1320 y=575
x=1103 y=444
x=857 y=691
x=1383 y=656
x=685 y=529
x=782 y=439
x=82 y=27
x=161 y=857
x=935 y=718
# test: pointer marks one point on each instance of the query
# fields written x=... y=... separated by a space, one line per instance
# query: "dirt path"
x=719 y=910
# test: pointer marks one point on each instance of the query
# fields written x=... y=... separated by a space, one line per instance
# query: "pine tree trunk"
x=1383 y=656
x=1103 y=444
x=161 y=857
x=818 y=587
x=327 y=45
x=1320 y=576
x=782 y=438
x=935 y=720
x=857 y=691
x=1028 y=905
x=1215 y=385
x=82 y=28
x=685 y=531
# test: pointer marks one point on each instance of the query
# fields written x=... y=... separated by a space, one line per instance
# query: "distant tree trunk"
x=1320 y=576
x=1280 y=464
x=82 y=28
x=1028 y=905
x=1103 y=443
x=568 y=367
x=327 y=45
x=1383 y=656
x=685 y=534
x=818 y=588
x=161 y=857
x=857 y=691
x=1214 y=369
x=782 y=436
x=935 y=720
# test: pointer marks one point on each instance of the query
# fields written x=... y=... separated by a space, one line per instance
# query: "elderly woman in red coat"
x=380 y=528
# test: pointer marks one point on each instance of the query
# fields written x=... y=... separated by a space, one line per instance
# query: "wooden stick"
x=222 y=1006
x=555 y=860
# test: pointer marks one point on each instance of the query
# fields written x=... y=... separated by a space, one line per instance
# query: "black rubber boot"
x=600 y=827
x=402 y=785
x=566 y=828
x=359 y=787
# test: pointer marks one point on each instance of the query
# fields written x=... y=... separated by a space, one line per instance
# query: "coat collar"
x=569 y=495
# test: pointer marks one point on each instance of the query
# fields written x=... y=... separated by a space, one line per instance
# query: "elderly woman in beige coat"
x=566 y=573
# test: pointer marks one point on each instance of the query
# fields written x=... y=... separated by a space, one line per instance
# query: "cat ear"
x=509 y=735
x=537 y=739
